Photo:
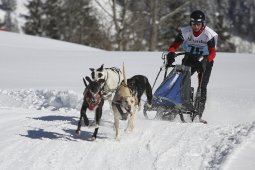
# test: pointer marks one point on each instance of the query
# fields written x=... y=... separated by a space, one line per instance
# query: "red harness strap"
x=93 y=101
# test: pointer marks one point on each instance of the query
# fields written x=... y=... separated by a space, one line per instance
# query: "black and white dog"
x=112 y=79
x=93 y=100
x=140 y=84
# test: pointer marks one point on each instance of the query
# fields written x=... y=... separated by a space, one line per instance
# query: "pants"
x=203 y=78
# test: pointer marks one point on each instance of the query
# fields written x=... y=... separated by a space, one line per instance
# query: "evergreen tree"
x=224 y=35
x=157 y=22
x=171 y=26
x=52 y=19
x=34 y=20
x=79 y=25
x=242 y=16
x=43 y=19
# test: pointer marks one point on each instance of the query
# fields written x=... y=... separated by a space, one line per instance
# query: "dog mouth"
x=128 y=109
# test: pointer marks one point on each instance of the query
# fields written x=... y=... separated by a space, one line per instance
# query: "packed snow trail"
x=36 y=135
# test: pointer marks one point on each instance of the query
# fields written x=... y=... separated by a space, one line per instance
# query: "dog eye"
x=100 y=75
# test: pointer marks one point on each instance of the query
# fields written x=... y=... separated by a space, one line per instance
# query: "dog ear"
x=84 y=81
x=101 y=68
x=88 y=79
x=91 y=69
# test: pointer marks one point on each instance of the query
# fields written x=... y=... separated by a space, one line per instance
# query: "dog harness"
x=106 y=87
x=117 y=103
x=123 y=114
x=93 y=99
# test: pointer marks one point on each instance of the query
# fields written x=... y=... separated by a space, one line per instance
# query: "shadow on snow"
x=72 y=136
x=70 y=119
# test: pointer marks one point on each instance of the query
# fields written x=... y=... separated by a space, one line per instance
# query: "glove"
x=170 y=58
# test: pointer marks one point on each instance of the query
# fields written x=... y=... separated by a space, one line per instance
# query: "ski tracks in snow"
x=194 y=146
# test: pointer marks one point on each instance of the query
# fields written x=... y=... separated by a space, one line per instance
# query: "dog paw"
x=202 y=121
x=77 y=132
x=92 y=138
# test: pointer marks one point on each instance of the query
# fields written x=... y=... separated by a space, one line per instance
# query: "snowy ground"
x=41 y=93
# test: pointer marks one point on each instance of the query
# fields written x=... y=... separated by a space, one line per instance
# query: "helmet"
x=197 y=16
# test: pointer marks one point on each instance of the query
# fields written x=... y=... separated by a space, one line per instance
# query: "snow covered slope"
x=41 y=94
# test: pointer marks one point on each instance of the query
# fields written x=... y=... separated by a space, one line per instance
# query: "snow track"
x=38 y=132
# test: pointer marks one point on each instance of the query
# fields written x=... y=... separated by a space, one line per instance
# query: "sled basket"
x=175 y=91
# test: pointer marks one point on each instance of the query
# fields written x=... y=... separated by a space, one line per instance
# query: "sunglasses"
x=196 y=23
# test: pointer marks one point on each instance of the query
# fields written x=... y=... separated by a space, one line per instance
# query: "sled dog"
x=125 y=106
x=139 y=85
x=93 y=100
x=112 y=79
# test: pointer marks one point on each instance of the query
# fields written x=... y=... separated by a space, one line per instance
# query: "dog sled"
x=174 y=96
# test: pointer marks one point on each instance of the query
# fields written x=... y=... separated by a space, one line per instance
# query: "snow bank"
x=40 y=99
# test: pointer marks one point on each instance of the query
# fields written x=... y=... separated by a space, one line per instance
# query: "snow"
x=41 y=95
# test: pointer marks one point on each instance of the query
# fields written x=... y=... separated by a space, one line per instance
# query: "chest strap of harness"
x=123 y=115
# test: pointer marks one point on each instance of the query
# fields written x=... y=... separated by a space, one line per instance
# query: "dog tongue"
x=91 y=107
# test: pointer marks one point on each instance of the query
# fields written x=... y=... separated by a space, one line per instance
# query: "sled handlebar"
x=181 y=53
x=164 y=65
x=164 y=54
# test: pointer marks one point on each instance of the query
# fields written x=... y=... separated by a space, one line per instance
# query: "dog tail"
x=124 y=75
x=148 y=91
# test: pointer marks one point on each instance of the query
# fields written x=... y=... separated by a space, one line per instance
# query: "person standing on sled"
x=199 y=42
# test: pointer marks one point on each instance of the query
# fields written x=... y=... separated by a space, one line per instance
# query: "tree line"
x=128 y=25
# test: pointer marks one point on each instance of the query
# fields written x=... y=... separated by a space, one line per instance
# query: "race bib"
x=194 y=49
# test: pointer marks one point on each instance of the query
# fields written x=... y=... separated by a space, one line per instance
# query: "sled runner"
x=174 y=96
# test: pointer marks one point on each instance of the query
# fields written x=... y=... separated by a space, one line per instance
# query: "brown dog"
x=124 y=106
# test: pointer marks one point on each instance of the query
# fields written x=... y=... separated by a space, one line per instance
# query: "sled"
x=174 y=96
